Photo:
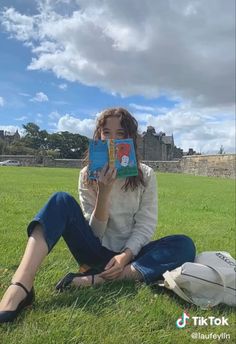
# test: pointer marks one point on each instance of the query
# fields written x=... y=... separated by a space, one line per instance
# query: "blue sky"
x=64 y=61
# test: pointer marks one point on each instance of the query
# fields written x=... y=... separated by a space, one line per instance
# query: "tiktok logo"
x=183 y=320
x=200 y=321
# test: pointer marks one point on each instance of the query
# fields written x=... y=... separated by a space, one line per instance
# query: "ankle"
x=98 y=279
x=88 y=280
x=136 y=274
x=11 y=298
x=24 y=279
x=130 y=272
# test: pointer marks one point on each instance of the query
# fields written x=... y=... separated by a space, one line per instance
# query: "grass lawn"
x=116 y=312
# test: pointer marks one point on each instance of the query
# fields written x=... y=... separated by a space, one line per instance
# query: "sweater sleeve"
x=146 y=217
x=87 y=197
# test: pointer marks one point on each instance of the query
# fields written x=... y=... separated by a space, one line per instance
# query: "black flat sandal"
x=65 y=282
x=9 y=316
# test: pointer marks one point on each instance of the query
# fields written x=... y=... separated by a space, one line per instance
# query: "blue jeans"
x=62 y=217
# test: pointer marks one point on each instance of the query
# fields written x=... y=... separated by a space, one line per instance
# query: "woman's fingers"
x=107 y=272
x=104 y=169
x=109 y=172
x=107 y=175
x=114 y=173
x=111 y=272
x=109 y=264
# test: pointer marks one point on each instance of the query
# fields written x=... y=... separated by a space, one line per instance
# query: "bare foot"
x=12 y=297
x=86 y=281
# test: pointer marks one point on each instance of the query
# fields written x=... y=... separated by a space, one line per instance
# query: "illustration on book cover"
x=118 y=153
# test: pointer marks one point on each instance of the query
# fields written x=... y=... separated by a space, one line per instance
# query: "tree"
x=70 y=146
x=35 y=138
x=18 y=148
x=2 y=147
x=32 y=129
x=222 y=150
x=40 y=143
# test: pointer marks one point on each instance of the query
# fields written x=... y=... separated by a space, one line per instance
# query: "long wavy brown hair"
x=130 y=126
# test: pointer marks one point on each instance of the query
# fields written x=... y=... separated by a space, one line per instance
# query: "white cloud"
x=40 y=97
x=22 y=118
x=60 y=102
x=52 y=127
x=23 y=94
x=149 y=49
x=11 y=129
x=181 y=49
x=142 y=107
x=2 y=102
x=142 y=117
x=204 y=130
x=21 y=26
x=75 y=125
x=54 y=115
x=63 y=87
x=200 y=129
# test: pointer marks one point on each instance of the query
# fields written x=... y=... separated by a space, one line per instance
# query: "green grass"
x=116 y=312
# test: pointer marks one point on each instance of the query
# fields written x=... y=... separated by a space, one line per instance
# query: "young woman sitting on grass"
x=111 y=229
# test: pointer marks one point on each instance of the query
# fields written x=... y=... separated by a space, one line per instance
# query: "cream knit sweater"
x=132 y=214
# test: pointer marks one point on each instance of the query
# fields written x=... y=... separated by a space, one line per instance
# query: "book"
x=117 y=153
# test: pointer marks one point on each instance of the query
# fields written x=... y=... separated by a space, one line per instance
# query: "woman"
x=111 y=232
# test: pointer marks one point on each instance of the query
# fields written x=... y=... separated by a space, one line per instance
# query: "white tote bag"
x=210 y=280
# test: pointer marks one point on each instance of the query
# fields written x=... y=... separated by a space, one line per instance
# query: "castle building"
x=157 y=146
x=9 y=137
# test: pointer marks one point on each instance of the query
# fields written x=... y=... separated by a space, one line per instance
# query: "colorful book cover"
x=118 y=153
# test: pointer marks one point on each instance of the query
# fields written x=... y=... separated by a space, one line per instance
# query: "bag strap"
x=222 y=277
x=173 y=286
x=215 y=267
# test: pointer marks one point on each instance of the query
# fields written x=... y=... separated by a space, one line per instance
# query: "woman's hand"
x=106 y=180
x=114 y=267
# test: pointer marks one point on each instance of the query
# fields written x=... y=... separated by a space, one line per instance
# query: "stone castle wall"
x=164 y=166
x=152 y=148
x=50 y=162
x=220 y=165
x=204 y=165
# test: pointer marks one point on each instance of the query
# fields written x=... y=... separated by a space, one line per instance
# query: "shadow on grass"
x=99 y=298
x=220 y=309
x=92 y=299
x=95 y=300
x=102 y=299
